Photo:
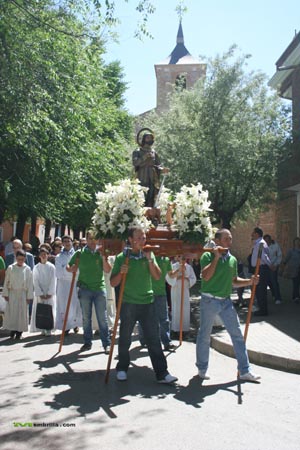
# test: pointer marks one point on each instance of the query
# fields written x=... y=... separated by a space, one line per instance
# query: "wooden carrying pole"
x=181 y=299
x=260 y=249
x=62 y=337
x=120 y=299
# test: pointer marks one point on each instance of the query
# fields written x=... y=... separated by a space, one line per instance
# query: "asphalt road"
x=59 y=401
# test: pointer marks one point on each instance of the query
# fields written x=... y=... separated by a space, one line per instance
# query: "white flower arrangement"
x=191 y=214
x=165 y=198
x=120 y=207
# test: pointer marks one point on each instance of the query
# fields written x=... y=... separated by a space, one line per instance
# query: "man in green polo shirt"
x=138 y=305
x=161 y=303
x=92 y=290
x=219 y=274
x=2 y=270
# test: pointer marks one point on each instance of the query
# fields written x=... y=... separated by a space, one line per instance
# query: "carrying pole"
x=181 y=299
x=260 y=249
x=120 y=300
x=62 y=337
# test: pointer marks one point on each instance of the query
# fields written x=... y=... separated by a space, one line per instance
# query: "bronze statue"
x=147 y=165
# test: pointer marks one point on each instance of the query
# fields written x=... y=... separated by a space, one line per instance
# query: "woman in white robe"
x=189 y=281
x=44 y=283
x=18 y=292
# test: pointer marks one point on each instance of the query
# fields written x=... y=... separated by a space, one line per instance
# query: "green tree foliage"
x=227 y=133
x=63 y=127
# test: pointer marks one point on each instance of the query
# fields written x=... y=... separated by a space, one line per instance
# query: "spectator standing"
x=11 y=257
x=264 y=271
x=292 y=268
x=275 y=258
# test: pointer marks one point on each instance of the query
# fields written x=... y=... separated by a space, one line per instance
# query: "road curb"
x=259 y=358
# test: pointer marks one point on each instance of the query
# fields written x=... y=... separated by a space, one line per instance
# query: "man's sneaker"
x=168 y=379
x=86 y=347
x=277 y=302
x=203 y=375
x=107 y=350
x=121 y=375
x=250 y=376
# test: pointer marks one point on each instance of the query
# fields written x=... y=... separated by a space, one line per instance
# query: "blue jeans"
x=162 y=314
x=145 y=314
x=209 y=308
x=87 y=299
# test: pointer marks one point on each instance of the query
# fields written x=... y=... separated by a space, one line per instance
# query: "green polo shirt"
x=138 y=285
x=159 y=286
x=220 y=283
x=90 y=269
x=2 y=263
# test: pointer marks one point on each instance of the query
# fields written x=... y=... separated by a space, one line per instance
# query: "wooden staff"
x=253 y=290
x=260 y=249
x=181 y=299
x=120 y=299
x=62 y=337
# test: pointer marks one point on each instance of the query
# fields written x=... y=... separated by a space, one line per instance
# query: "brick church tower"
x=179 y=68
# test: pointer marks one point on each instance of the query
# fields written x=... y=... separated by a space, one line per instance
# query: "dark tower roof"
x=180 y=54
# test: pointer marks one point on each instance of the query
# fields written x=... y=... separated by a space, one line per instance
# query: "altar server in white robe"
x=64 y=280
x=18 y=293
x=189 y=281
x=44 y=283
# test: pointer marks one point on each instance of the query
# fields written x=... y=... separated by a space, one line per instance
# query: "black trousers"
x=262 y=289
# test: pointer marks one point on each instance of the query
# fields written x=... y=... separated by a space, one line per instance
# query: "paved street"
x=40 y=387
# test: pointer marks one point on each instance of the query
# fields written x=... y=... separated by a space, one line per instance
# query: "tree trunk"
x=63 y=228
x=76 y=232
x=226 y=221
x=21 y=221
x=33 y=224
x=47 y=227
x=57 y=227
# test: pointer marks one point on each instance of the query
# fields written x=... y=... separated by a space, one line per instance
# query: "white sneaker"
x=278 y=302
x=168 y=379
x=250 y=376
x=203 y=375
x=121 y=375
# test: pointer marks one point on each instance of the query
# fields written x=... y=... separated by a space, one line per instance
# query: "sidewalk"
x=273 y=341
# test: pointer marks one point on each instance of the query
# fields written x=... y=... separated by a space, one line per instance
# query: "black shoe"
x=67 y=332
x=12 y=334
x=76 y=330
x=170 y=347
x=86 y=347
x=18 y=335
x=260 y=313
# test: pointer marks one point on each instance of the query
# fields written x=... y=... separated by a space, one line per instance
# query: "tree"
x=227 y=133
x=63 y=128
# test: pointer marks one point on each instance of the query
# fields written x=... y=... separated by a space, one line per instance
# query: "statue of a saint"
x=147 y=165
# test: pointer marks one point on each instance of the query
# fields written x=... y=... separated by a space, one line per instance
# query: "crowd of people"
x=46 y=277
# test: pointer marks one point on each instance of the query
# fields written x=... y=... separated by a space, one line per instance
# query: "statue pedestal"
x=163 y=241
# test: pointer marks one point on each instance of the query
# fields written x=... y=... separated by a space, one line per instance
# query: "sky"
x=261 y=28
